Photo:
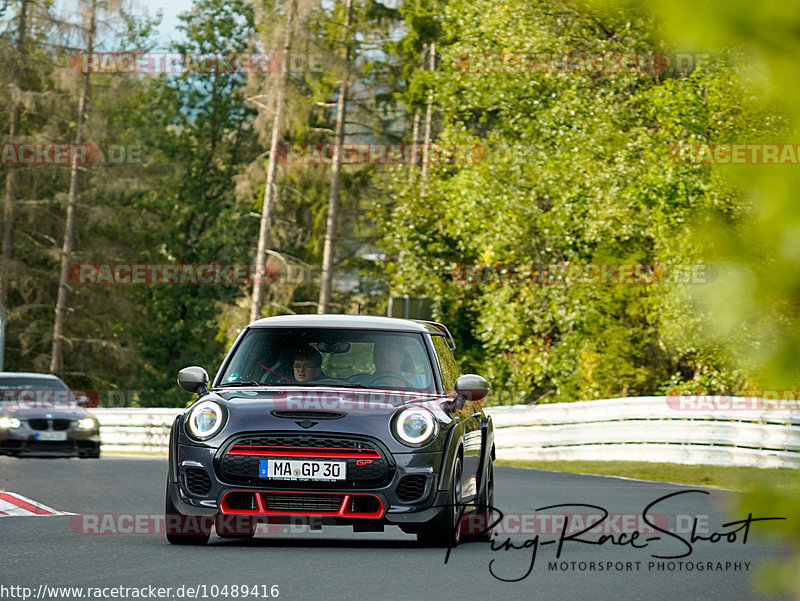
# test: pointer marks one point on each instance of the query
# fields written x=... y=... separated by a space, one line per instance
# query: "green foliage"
x=760 y=295
x=198 y=127
x=577 y=171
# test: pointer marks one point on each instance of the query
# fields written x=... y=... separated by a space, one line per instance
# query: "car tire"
x=178 y=538
x=484 y=509
x=443 y=531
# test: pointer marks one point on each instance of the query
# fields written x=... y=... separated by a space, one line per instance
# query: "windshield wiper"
x=329 y=382
x=290 y=383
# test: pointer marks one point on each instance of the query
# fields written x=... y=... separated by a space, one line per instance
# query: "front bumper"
x=200 y=489
x=28 y=442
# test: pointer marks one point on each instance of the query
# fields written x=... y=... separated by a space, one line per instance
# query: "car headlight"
x=415 y=426
x=10 y=422
x=205 y=420
x=87 y=423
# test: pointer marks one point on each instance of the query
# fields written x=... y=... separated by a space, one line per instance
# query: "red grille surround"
x=298 y=503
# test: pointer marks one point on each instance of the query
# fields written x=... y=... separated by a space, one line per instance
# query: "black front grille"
x=278 y=502
x=309 y=414
x=301 y=440
x=38 y=424
x=369 y=468
x=197 y=480
x=61 y=424
x=411 y=488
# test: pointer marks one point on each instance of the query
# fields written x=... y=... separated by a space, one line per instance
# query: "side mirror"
x=81 y=400
x=471 y=387
x=193 y=379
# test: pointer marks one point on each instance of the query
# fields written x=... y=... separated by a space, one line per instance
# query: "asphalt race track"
x=336 y=564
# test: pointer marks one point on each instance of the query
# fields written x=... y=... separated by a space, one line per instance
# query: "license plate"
x=51 y=436
x=300 y=469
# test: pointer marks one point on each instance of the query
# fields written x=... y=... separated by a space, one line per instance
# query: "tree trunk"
x=333 y=200
x=11 y=177
x=428 y=125
x=414 y=143
x=56 y=358
x=271 y=190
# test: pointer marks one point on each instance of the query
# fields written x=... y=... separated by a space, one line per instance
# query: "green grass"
x=737 y=478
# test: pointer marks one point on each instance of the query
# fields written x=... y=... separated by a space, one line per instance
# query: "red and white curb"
x=15 y=505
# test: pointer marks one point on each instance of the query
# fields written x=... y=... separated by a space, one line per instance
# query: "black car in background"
x=336 y=419
x=41 y=416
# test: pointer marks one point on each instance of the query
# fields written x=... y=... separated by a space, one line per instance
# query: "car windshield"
x=330 y=357
x=21 y=391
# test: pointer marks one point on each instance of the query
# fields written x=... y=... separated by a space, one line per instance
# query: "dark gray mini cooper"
x=333 y=420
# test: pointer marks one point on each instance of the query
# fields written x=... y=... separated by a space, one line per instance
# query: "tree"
x=270 y=188
x=69 y=227
x=39 y=189
x=198 y=127
x=15 y=108
x=336 y=168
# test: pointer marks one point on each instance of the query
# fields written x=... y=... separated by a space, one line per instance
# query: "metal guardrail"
x=135 y=430
x=640 y=428
x=652 y=429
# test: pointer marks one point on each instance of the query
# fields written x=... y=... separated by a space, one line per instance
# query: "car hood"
x=74 y=412
x=350 y=401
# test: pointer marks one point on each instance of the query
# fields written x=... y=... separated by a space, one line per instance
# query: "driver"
x=307 y=365
x=389 y=357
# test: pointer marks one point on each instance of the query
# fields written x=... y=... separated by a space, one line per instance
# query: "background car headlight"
x=205 y=420
x=415 y=426
x=87 y=423
x=10 y=422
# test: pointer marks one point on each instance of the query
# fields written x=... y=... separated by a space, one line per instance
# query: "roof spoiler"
x=443 y=331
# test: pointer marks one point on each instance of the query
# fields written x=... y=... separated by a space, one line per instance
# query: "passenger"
x=307 y=365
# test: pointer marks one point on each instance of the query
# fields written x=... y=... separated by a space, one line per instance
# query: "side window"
x=447 y=363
